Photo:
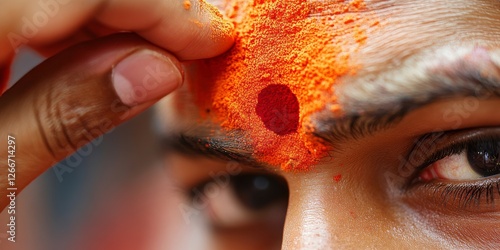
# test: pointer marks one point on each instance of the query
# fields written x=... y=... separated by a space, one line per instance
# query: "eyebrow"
x=226 y=148
x=374 y=104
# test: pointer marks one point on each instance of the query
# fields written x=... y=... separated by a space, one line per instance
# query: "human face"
x=413 y=158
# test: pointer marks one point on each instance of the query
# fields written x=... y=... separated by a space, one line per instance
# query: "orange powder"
x=292 y=45
x=187 y=4
x=221 y=27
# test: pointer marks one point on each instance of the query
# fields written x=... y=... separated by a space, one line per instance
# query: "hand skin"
x=166 y=24
x=422 y=45
x=96 y=81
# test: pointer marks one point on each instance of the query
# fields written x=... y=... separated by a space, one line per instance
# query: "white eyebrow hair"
x=448 y=69
x=376 y=101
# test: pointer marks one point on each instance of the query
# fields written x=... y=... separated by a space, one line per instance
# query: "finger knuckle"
x=64 y=126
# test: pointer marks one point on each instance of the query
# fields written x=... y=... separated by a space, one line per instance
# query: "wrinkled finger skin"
x=63 y=104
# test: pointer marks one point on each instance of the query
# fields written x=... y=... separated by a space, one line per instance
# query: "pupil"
x=259 y=191
x=484 y=157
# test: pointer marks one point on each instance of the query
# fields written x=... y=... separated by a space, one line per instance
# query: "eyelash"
x=469 y=194
x=466 y=194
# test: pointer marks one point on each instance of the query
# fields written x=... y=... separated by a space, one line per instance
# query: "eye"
x=479 y=159
x=457 y=169
x=257 y=192
x=484 y=157
x=247 y=199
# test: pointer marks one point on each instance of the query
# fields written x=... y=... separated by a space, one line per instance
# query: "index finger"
x=191 y=29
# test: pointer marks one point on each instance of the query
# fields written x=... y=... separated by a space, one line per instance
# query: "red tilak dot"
x=337 y=178
x=278 y=108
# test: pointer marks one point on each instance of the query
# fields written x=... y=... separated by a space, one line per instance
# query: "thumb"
x=77 y=96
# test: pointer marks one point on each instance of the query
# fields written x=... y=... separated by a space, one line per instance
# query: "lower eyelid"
x=478 y=196
x=225 y=209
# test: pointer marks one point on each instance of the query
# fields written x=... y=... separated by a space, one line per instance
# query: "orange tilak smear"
x=295 y=48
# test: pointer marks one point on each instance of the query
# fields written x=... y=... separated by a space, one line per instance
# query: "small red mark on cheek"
x=337 y=178
x=278 y=108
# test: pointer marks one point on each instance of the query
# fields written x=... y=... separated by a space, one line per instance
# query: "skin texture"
x=359 y=196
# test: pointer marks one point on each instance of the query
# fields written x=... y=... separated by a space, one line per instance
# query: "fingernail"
x=145 y=76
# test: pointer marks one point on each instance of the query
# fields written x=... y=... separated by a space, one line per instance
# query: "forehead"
x=408 y=30
x=416 y=25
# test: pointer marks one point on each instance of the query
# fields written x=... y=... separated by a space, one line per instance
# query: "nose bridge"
x=307 y=224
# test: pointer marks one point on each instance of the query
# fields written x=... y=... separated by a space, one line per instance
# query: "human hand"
x=85 y=90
